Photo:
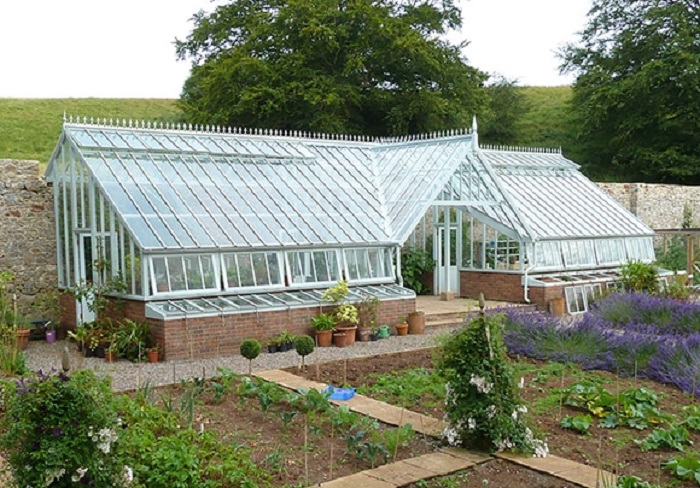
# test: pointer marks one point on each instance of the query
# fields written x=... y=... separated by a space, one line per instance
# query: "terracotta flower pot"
x=110 y=356
x=416 y=323
x=152 y=356
x=350 y=331
x=364 y=334
x=22 y=339
x=324 y=338
x=340 y=339
x=402 y=329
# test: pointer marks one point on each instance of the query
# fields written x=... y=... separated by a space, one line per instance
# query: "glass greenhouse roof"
x=212 y=190
x=545 y=197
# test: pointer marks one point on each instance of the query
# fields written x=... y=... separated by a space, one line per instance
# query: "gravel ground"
x=128 y=376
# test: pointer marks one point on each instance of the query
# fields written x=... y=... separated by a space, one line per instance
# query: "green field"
x=29 y=128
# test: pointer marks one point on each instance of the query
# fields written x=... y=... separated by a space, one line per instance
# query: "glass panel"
x=273 y=263
x=194 y=274
x=260 y=269
x=209 y=272
x=351 y=260
x=231 y=274
x=363 y=265
x=245 y=270
x=177 y=273
x=321 y=266
x=161 y=274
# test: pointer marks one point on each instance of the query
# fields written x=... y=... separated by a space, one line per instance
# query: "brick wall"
x=205 y=337
x=495 y=286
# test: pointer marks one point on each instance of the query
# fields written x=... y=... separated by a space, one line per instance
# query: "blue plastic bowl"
x=337 y=393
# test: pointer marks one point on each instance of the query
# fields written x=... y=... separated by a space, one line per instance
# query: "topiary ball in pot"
x=250 y=349
x=304 y=345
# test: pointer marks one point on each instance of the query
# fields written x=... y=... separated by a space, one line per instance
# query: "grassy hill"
x=29 y=128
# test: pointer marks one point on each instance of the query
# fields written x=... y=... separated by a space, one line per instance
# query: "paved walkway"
x=441 y=463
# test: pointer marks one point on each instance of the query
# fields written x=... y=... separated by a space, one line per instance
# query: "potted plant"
x=111 y=349
x=79 y=335
x=152 y=353
x=271 y=345
x=375 y=334
x=345 y=313
x=402 y=327
x=366 y=317
x=285 y=341
x=323 y=325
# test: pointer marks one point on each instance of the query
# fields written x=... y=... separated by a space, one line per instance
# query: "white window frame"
x=377 y=272
x=294 y=282
x=187 y=291
x=275 y=282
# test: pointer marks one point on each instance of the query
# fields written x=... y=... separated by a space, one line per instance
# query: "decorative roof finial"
x=475 y=134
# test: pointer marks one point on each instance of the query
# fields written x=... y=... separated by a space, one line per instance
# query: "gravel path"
x=127 y=376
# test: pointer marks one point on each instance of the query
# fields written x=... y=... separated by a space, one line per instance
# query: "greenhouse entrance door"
x=82 y=306
x=447 y=271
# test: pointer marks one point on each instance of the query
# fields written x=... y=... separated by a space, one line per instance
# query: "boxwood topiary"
x=304 y=346
x=250 y=349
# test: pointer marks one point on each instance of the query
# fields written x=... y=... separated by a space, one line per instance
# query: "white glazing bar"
x=302 y=199
x=94 y=245
x=62 y=212
x=118 y=180
x=224 y=194
x=483 y=246
x=74 y=216
x=83 y=222
x=101 y=242
x=323 y=174
x=154 y=188
x=459 y=253
x=195 y=193
x=446 y=240
x=116 y=252
x=472 y=258
x=157 y=167
x=132 y=266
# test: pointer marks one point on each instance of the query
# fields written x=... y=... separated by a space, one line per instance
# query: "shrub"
x=65 y=428
x=322 y=321
x=414 y=264
x=639 y=277
x=482 y=404
x=304 y=346
x=250 y=349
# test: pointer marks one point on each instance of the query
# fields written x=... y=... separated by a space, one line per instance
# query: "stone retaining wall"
x=27 y=233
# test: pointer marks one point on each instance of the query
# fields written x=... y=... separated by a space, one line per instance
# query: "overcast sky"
x=124 y=48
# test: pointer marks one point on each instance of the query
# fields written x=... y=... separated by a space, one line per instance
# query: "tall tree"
x=378 y=67
x=637 y=95
x=506 y=106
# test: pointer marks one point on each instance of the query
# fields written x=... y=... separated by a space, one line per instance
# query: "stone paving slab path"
x=441 y=463
x=384 y=412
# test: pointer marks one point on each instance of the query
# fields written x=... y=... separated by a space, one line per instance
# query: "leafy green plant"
x=675 y=437
x=686 y=467
x=414 y=264
x=250 y=349
x=626 y=481
x=579 y=423
x=639 y=277
x=395 y=438
x=65 y=427
x=482 y=404
x=323 y=321
x=304 y=346
x=406 y=387
x=343 y=313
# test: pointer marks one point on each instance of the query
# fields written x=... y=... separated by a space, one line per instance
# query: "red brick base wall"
x=506 y=287
x=206 y=337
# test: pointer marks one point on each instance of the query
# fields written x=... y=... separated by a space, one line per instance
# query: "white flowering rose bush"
x=62 y=431
x=483 y=408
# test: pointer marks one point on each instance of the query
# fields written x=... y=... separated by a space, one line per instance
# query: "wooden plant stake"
x=396 y=444
x=318 y=372
x=331 y=456
x=561 y=393
x=345 y=372
x=306 y=448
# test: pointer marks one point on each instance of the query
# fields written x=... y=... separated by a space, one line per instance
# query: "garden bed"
x=612 y=449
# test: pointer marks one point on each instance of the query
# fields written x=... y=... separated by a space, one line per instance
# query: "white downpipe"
x=527 y=270
x=398 y=266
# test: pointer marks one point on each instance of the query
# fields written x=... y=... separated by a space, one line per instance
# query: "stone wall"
x=27 y=233
x=657 y=205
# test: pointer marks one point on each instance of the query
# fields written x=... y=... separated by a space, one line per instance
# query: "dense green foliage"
x=362 y=67
x=304 y=345
x=30 y=127
x=506 y=106
x=639 y=277
x=482 y=403
x=636 y=100
x=415 y=263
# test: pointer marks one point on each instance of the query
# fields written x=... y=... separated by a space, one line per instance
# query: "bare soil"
x=612 y=449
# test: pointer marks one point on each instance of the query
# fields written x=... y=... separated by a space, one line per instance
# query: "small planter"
x=152 y=356
x=110 y=356
x=350 y=331
x=402 y=329
x=286 y=346
x=340 y=339
x=364 y=334
x=324 y=338
x=22 y=339
x=416 y=323
x=51 y=335
x=271 y=348
x=374 y=336
x=384 y=332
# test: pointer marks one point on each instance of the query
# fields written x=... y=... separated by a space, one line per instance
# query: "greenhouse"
x=240 y=231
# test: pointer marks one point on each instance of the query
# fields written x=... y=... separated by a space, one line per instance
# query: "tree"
x=506 y=106
x=637 y=95
x=377 y=67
